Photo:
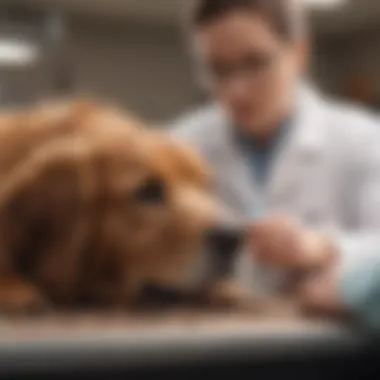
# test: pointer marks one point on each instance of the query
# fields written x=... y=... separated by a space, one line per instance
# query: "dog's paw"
x=229 y=295
x=275 y=307
x=19 y=299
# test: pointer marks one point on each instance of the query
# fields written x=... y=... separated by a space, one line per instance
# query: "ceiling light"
x=16 y=53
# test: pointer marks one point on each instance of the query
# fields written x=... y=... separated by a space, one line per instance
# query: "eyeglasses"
x=251 y=67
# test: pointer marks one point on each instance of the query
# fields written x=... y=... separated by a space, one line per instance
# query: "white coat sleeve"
x=188 y=129
x=360 y=250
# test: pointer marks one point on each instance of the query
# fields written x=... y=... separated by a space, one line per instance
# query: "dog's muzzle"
x=223 y=244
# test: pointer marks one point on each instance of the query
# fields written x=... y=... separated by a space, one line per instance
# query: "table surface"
x=181 y=322
x=169 y=337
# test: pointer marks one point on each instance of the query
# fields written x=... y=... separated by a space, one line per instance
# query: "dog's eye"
x=152 y=191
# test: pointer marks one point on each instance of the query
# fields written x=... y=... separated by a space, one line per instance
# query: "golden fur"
x=72 y=228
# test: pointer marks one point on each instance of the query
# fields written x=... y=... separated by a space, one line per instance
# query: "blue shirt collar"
x=248 y=143
x=260 y=158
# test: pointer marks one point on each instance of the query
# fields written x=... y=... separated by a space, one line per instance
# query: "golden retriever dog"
x=93 y=205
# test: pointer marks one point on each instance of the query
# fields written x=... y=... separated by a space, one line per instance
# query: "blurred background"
x=132 y=52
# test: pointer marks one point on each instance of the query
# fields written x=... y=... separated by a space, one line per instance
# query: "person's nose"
x=236 y=89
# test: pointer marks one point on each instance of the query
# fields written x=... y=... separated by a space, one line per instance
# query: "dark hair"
x=283 y=15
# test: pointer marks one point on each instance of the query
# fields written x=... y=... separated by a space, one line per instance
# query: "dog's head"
x=97 y=212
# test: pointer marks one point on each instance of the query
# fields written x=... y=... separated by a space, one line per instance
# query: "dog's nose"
x=223 y=243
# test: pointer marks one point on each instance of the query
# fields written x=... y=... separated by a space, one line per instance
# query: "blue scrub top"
x=260 y=157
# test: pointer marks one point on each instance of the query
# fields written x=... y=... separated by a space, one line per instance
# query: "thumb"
x=255 y=231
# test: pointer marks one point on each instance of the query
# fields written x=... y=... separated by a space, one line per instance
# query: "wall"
x=339 y=59
x=146 y=68
x=142 y=68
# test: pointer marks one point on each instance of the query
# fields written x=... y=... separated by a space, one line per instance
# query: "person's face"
x=249 y=68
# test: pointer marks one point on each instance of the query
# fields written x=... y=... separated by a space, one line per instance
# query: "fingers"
x=319 y=295
x=282 y=242
x=275 y=241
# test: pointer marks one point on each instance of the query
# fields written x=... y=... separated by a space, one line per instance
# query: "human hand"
x=282 y=242
x=318 y=294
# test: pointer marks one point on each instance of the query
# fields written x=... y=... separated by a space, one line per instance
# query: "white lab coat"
x=327 y=173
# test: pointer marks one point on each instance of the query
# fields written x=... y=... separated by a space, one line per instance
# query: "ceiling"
x=357 y=14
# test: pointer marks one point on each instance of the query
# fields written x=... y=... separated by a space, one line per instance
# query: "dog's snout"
x=223 y=245
x=225 y=241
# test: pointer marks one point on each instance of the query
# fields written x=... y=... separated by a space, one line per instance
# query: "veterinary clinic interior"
x=136 y=55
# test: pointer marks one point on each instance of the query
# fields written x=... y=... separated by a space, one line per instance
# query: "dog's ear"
x=44 y=215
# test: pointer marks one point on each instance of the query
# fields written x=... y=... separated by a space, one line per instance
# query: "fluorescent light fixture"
x=325 y=4
x=17 y=53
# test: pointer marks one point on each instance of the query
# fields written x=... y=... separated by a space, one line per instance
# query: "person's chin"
x=253 y=126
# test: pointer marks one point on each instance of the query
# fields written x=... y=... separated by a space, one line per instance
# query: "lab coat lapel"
x=297 y=157
x=237 y=185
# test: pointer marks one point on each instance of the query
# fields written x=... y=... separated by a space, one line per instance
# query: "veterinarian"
x=303 y=170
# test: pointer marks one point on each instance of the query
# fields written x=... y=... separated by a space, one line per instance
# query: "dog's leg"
x=18 y=296
x=228 y=295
